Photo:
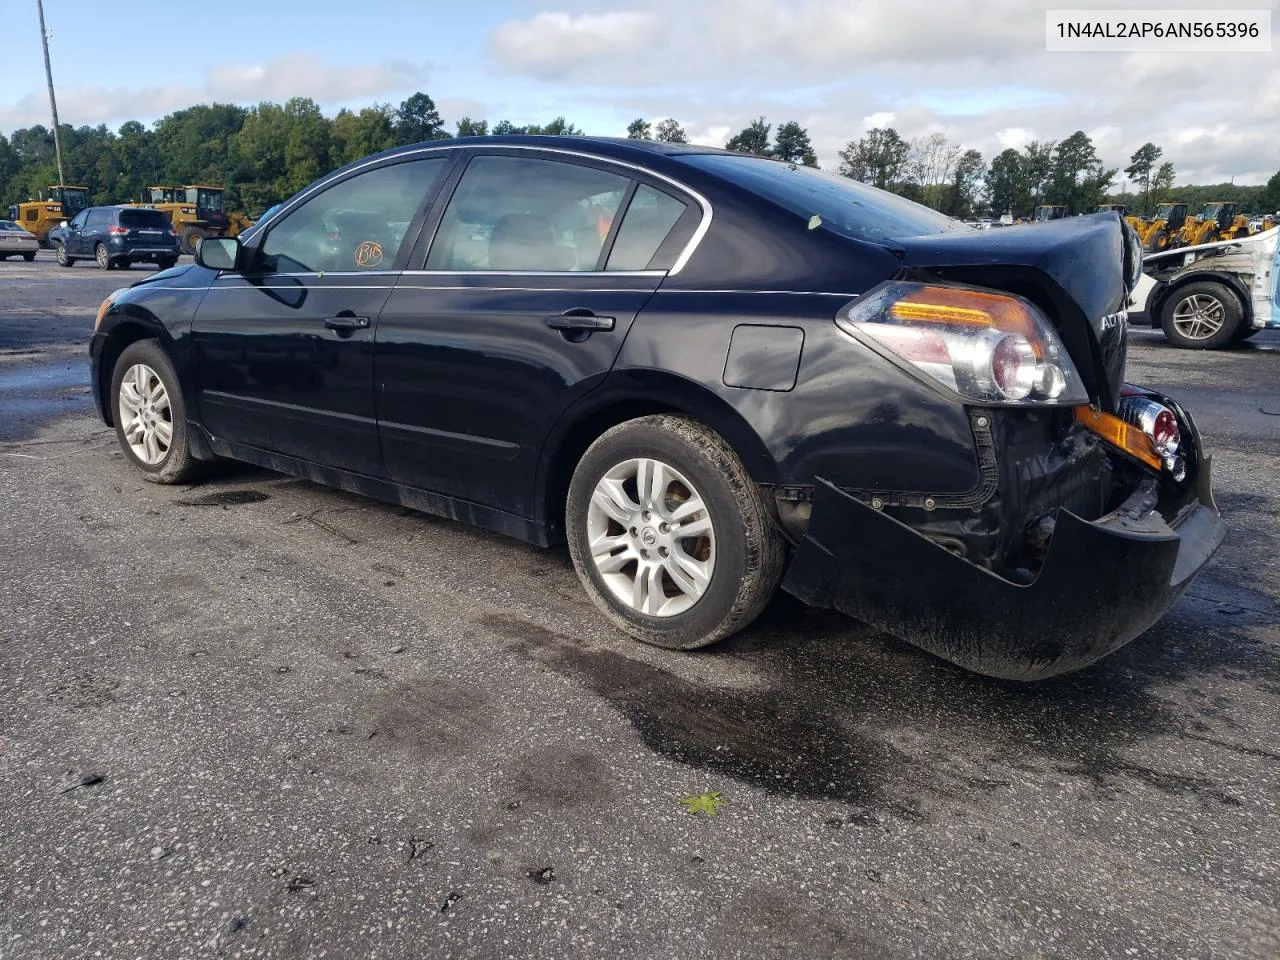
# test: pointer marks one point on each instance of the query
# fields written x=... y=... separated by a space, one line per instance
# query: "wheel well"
x=121 y=336
x=574 y=444
x=1242 y=297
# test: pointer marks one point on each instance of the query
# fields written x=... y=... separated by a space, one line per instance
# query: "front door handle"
x=346 y=323
x=580 y=320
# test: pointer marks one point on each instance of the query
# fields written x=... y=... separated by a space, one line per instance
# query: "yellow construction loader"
x=196 y=211
x=41 y=216
x=1050 y=211
x=1159 y=233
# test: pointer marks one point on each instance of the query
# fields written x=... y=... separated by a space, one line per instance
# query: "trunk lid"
x=1073 y=269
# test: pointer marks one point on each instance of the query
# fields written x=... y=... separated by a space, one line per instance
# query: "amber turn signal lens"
x=1116 y=432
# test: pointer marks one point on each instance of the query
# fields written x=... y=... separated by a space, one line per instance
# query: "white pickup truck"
x=1213 y=294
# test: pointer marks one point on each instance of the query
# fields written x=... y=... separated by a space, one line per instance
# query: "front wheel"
x=60 y=252
x=28 y=257
x=670 y=537
x=165 y=263
x=150 y=416
x=1201 y=316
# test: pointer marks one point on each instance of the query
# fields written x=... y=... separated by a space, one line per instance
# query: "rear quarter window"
x=845 y=206
x=144 y=220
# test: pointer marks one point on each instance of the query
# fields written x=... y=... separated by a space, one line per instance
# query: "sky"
x=975 y=70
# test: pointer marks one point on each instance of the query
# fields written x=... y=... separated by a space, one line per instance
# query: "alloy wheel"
x=101 y=256
x=651 y=537
x=145 y=414
x=1199 y=317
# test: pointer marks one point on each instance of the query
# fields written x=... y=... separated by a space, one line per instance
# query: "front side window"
x=524 y=214
x=358 y=224
x=80 y=220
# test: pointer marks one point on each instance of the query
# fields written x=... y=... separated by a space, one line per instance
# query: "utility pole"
x=53 y=103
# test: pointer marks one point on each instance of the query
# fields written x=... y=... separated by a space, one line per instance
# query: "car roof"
x=604 y=146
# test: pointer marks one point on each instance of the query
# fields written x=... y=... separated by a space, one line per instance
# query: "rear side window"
x=98 y=218
x=843 y=205
x=526 y=214
x=645 y=225
x=144 y=220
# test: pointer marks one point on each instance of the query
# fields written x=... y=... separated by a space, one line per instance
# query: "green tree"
x=1007 y=187
x=966 y=183
x=1074 y=162
x=669 y=131
x=1268 y=200
x=1162 y=180
x=472 y=128
x=138 y=158
x=793 y=145
x=1142 y=166
x=879 y=158
x=198 y=144
x=640 y=129
x=505 y=128
x=559 y=127
x=289 y=146
x=1037 y=166
x=753 y=139
x=358 y=135
x=417 y=120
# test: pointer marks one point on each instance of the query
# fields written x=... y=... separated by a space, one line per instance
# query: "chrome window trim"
x=701 y=231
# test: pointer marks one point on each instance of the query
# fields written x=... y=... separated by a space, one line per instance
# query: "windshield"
x=845 y=206
x=209 y=200
x=73 y=201
x=1164 y=211
x=1211 y=211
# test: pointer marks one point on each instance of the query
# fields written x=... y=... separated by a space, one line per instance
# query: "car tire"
x=124 y=264
x=723 y=578
x=165 y=263
x=29 y=257
x=150 y=414
x=102 y=258
x=1201 y=316
x=60 y=252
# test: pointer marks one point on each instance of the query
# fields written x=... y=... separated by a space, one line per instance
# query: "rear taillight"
x=118 y=231
x=988 y=347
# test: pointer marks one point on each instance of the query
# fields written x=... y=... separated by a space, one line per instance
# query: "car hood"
x=163 y=275
x=1078 y=270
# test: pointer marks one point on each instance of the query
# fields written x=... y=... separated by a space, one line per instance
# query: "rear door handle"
x=580 y=320
x=346 y=323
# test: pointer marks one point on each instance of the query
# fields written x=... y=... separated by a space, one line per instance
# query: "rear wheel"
x=150 y=416
x=28 y=257
x=60 y=252
x=124 y=263
x=101 y=257
x=164 y=263
x=670 y=537
x=1201 y=316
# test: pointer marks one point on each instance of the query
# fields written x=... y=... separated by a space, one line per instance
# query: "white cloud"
x=975 y=70
x=559 y=45
x=296 y=75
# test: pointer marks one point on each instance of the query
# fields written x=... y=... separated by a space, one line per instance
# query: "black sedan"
x=710 y=374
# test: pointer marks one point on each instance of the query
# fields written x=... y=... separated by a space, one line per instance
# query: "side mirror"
x=63 y=224
x=218 y=253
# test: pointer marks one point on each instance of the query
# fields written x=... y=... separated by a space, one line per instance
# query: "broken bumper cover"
x=1102 y=584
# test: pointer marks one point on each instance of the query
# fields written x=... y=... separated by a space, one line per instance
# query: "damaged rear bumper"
x=1101 y=585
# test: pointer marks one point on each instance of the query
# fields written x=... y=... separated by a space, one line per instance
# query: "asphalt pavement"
x=256 y=717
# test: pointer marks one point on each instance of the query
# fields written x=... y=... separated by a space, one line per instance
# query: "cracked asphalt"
x=260 y=718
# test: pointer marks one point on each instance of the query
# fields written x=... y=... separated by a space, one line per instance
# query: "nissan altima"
x=710 y=375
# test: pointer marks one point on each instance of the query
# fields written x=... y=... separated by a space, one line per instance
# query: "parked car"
x=708 y=374
x=15 y=239
x=115 y=237
x=1211 y=295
